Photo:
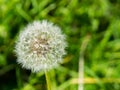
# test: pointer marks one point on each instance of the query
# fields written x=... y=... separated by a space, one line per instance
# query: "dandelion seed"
x=40 y=46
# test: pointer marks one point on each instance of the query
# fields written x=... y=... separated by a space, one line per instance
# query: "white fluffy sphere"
x=40 y=46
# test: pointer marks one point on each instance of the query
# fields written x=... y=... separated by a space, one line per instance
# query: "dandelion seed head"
x=40 y=46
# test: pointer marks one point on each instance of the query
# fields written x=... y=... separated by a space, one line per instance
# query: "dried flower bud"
x=40 y=46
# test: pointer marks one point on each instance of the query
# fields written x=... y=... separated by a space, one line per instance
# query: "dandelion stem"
x=48 y=80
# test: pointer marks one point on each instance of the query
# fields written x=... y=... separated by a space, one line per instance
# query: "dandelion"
x=40 y=46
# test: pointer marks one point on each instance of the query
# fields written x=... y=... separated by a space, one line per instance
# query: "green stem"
x=19 y=81
x=48 y=81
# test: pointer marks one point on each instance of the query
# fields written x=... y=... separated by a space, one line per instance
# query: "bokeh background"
x=93 y=33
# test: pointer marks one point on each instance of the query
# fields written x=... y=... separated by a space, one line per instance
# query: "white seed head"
x=40 y=46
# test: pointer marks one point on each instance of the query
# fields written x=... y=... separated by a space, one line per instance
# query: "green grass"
x=98 y=19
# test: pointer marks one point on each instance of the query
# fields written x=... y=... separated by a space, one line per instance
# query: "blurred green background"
x=97 y=21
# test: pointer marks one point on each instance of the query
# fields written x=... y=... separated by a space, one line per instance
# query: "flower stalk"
x=48 y=81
